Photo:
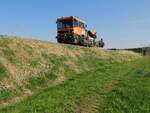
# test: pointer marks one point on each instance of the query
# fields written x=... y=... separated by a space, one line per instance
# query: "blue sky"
x=121 y=23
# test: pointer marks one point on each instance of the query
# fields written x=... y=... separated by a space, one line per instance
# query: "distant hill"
x=44 y=77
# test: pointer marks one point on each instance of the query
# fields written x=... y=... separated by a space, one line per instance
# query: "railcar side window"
x=59 y=25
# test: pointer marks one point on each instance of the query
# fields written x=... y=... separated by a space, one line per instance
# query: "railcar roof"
x=70 y=18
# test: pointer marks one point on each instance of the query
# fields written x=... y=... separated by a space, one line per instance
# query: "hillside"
x=43 y=77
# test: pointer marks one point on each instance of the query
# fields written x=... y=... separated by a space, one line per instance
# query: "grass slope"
x=70 y=79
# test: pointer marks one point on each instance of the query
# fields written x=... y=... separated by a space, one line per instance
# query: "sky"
x=121 y=23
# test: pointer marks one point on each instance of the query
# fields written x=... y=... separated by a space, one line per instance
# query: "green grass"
x=35 y=62
x=4 y=42
x=41 y=80
x=5 y=94
x=10 y=54
x=3 y=72
x=132 y=93
x=110 y=87
x=28 y=49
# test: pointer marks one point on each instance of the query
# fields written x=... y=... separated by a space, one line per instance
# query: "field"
x=42 y=77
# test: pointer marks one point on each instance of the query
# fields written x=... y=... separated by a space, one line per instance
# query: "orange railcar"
x=72 y=30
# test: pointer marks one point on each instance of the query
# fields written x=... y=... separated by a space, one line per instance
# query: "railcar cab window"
x=64 y=24
x=76 y=23
x=79 y=24
x=59 y=25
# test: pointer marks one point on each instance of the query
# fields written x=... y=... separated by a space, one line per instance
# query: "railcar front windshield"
x=70 y=24
x=65 y=24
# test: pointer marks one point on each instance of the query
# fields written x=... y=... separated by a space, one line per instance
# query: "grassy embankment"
x=41 y=77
